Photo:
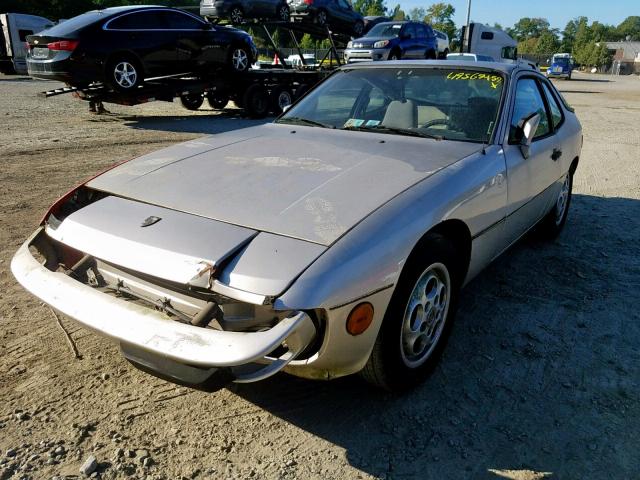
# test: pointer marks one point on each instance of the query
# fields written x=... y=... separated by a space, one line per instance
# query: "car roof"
x=506 y=68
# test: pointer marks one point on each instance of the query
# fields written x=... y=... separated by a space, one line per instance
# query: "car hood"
x=369 y=41
x=308 y=183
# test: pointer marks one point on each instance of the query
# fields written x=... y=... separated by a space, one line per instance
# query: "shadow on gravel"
x=578 y=91
x=227 y=120
x=16 y=79
x=540 y=374
x=595 y=80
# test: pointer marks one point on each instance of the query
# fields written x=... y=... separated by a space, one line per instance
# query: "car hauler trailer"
x=14 y=28
x=258 y=91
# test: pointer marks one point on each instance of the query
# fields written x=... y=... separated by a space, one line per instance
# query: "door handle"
x=557 y=153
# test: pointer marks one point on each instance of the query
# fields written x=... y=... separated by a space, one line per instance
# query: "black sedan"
x=124 y=45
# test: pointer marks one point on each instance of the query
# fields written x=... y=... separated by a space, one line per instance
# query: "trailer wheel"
x=192 y=101
x=124 y=73
x=217 y=102
x=256 y=101
x=301 y=90
x=281 y=98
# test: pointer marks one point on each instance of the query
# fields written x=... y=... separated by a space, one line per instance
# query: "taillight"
x=308 y=2
x=64 y=45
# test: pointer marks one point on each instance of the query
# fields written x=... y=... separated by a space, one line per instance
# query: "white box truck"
x=14 y=28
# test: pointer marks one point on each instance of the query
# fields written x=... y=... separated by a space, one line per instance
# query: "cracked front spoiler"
x=150 y=331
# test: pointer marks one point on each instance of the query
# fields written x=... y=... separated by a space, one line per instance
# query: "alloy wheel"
x=239 y=60
x=236 y=15
x=125 y=74
x=425 y=315
x=562 y=201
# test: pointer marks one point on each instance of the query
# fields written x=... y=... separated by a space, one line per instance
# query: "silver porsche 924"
x=333 y=241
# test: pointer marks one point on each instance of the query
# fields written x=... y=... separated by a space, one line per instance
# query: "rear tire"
x=282 y=12
x=192 y=101
x=321 y=18
x=255 y=101
x=217 y=102
x=236 y=15
x=418 y=319
x=553 y=223
x=124 y=73
x=430 y=55
x=280 y=98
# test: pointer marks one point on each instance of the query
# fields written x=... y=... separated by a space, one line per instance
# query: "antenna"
x=485 y=139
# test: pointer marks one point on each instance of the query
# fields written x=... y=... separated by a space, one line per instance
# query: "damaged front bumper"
x=184 y=353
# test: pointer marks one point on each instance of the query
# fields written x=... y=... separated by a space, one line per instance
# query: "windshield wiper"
x=304 y=121
x=400 y=131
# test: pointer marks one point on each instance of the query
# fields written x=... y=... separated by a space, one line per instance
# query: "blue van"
x=561 y=66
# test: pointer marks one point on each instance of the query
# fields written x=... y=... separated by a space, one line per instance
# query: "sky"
x=558 y=12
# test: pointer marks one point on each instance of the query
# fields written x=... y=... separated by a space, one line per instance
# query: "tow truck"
x=259 y=91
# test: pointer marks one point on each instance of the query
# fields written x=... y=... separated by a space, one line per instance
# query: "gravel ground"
x=540 y=378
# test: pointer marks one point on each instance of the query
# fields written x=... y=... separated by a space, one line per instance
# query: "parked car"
x=14 y=28
x=393 y=41
x=333 y=241
x=237 y=11
x=443 y=43
x=339 y=15
x=122 y=46
x=372 y=21
x=469 y=57
x=561 y=66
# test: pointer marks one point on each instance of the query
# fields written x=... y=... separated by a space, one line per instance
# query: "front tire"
x=418 y=319
x=395 y=55
x=553 y=223
x=239 y=59
x=358 y=28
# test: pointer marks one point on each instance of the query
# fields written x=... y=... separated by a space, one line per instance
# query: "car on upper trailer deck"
x=335 y=240
x=121 y=46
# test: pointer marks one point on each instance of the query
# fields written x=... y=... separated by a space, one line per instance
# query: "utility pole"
x=466 y=39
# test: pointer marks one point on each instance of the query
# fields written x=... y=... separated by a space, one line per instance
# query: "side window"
x=343 y=4
x=180 y=21
x=528 y=100
x=139 y=21
x=556 y=111
x=486 y=35
x=410 y=29
x=23 y=34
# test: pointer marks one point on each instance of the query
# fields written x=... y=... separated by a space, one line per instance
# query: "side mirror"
x=528 y=126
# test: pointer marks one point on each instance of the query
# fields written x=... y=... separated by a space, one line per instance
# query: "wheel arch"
x=455 y=231
x=574 y=165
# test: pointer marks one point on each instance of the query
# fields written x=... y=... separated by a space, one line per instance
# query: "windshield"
x=445 y=103
x=385 y=30
x=561 y=61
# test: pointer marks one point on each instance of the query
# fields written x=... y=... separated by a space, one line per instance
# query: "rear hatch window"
x=70 y=26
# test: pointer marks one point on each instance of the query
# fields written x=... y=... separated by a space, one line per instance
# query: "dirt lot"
x=541 y=377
